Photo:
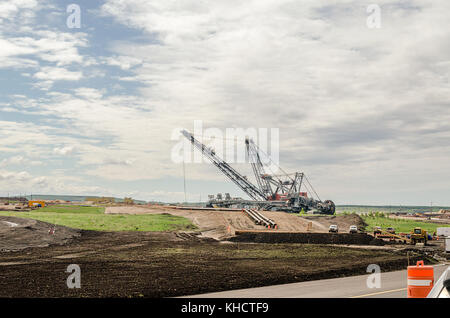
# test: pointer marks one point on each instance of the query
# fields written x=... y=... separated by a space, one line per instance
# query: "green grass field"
x=399 y=225
x=93 y=218
x=361 y=209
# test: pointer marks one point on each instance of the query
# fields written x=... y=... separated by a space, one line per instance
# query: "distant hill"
x=71 y=198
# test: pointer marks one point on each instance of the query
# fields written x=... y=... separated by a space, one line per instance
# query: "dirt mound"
x=342 y=221
x=308 y=238
x=18 y=234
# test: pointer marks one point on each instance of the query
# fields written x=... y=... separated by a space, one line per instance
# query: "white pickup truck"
x=333 y=228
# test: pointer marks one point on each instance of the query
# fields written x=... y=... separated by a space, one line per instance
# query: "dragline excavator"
x=273 y=192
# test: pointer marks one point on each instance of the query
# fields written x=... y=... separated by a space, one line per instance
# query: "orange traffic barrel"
x=420 y=280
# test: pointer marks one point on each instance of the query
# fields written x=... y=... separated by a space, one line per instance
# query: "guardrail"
x=260 y=219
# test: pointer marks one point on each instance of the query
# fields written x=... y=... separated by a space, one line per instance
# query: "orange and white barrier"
x=420 y=280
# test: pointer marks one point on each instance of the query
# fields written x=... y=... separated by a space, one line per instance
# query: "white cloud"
x=351 y=102
x=9 y=9
x=124 y=62
x=64 y=151
x=46 y=52
x=56 y=47
x=88 y=93
x=57 y=74
x=15 y=182
x=16 y=160
x=120 y=162
x=14 y=176
x=343 y=95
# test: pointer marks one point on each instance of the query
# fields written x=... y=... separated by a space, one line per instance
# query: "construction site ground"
x=223 y=224
x=162 y=264
x=33 y=262
x=20 y=233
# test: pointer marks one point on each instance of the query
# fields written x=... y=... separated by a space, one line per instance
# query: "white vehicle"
x=333 y=228
x=443 y=231
x=353 y=229
x=442 y=287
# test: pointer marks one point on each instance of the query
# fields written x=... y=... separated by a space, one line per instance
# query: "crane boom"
x=289 y=199
x=258 y=168
x=250 y=189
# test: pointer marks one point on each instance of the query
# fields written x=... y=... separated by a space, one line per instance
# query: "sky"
x=362 y=109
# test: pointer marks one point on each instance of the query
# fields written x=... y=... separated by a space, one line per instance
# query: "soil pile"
x=17 y=234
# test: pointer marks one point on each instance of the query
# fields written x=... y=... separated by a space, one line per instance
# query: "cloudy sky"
x=363 y=111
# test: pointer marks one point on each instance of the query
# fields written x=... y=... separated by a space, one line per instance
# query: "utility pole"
x=184 y=182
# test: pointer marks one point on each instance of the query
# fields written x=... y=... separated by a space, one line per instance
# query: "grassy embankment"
x=361 y=209
x=400 y=225
x=94 y=218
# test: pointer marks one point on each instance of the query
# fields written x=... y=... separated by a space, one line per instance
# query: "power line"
x=184 y=182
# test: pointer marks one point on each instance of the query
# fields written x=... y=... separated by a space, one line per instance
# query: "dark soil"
x=140 y=264
x=19 y=233
x=309 y=238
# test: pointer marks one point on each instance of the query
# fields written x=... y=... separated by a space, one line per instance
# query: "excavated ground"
x=33 y=262
x=309 y=238
x=19 y=233
x=342 y=221
x=223 y=224
x=151 y=264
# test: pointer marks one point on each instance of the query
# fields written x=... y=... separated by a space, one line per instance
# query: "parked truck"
x=443 y=231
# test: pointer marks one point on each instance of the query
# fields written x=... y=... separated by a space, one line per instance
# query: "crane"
x=240 y=180
x=285 y=197
x=285 y=184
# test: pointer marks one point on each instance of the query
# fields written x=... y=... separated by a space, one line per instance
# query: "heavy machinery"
x=272 y=192
x=390 y=230
x=418 y=235
x=377 y=230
